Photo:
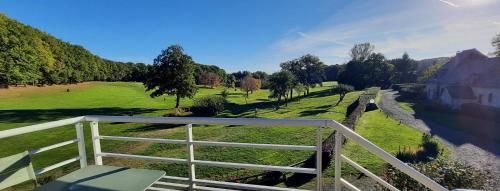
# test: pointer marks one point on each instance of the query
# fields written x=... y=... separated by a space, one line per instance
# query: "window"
x=490 y=98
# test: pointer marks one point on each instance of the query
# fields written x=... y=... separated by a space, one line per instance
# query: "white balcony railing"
x=199 y=184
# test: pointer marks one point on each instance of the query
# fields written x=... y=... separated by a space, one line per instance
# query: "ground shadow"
x=455 y=127
x=37 y=115
x=312 y=112
x=152 y=127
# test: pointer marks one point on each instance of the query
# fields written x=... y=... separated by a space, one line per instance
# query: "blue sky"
x=258 y=35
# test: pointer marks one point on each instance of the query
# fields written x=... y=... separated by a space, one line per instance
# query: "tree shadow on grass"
x=40 y=115
x=312 y=112
x=152 y=127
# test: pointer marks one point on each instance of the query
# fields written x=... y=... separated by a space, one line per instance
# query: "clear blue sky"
x=258 y=35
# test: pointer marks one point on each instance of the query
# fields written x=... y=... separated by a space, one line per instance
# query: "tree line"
x=30 y=56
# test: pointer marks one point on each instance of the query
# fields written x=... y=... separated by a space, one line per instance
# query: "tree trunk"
x=307 y=90
x=178 y=99
x=291 y=93
x=286 y=101
x=278 y=104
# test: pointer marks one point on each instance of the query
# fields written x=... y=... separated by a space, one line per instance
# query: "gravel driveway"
x=478 y=152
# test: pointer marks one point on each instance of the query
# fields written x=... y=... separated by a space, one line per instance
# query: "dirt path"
x=475 y=151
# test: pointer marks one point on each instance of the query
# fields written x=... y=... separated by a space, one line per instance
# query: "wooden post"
x=81 y=145
x=94 y=127
x=190 y=158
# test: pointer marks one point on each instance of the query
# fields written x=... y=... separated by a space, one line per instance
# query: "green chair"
x=16 y=169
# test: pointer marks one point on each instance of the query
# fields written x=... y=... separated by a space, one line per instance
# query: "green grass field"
x=120 y=98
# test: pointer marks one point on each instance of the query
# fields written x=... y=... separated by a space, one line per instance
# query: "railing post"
x=81 y=145
x=319 y=159
x=94 y=127
x=190 y=158
x=338 y=160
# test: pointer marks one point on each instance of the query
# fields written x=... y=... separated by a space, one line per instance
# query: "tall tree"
x=361 y=52
x=279 y=85
x=297 y=68
x=172 y=74
x=373 y=71
x=250 y=84
x=210 y=79
x=314 y=70
x=262 y=76
x=496 y=43
x=231 y=81
x=332 y=72
x=405 y=69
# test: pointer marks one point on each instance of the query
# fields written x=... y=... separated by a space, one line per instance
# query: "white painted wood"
x=338 y=160
x=204 y=188
x=260 y=146
x=387 y=157
x=256 y=166
x=94 y=127
x=349 y=185
x=47 y=148
x=81 y=144
x=369 y=174
x=243 y=186
x=160 y=189
x=39 y=127
x=262 y=122
x=57 y=165
x=232 y=121
x=175 y=178
x=140 y=139
x=172 y=185
x=319 y=159
x=165 y=159
x=190 y=157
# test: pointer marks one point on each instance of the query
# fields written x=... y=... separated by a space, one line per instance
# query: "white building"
x=469 y=77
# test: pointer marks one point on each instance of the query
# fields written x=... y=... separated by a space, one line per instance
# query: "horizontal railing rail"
x=192 y=183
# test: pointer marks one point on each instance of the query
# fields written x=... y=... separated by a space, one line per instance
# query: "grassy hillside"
x=38 y=105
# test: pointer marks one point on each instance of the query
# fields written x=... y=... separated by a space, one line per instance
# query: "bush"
x=426 y=152
x=411 y=90
x=342 y=89
x=208 y=106
x=224 y=93
x=450 y=174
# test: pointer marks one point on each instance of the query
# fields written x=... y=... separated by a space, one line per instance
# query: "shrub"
x=427 y=151
x=208 y=106
x=411 y=90
x=450 y=174
x=342 y=89
x=224 y=93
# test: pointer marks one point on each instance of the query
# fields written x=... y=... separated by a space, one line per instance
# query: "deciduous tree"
x=496 y=43
x=279 y=85
x=249 y=84
x=172 y=74
x=361 y=52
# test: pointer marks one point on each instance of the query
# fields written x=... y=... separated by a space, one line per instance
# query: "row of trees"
x=368 y=68
x=30 y=56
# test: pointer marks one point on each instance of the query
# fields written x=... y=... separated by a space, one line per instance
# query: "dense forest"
x=30 y=56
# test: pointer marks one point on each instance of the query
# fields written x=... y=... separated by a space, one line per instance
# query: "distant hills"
x=31 y=56
x=425 y=63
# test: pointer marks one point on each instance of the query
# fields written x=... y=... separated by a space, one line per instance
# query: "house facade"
x=469 y=77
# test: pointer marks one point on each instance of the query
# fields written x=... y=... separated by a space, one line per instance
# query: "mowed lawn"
x=121 y=98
